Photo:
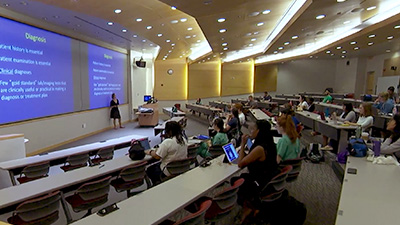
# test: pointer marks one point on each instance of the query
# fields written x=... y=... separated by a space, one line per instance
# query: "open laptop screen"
x=230 y=152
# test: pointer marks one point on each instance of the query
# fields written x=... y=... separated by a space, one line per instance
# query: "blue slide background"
x=106 y=76
x=45 y=84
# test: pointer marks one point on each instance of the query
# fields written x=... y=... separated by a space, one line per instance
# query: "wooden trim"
x=53 y=117
x=10 y=136
x=71 y=140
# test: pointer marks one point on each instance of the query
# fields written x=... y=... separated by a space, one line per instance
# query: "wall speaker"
x=141 y=64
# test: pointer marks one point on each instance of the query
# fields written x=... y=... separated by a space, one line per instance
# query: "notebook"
x=230 y=153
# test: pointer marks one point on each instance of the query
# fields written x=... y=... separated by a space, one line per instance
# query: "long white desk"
x=17 y=194
x=17 y=164
x=160 y=128
x=158 y=203
x=168 y=111
x=371 y=196
x=258 y=114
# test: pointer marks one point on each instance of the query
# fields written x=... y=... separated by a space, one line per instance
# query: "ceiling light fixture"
x=340 y=0
x=346 y=22
x=371 y=35
x=143 y=40
x=183 y=20
x=167 y=40
x=110 y=23
x=139 y=20
x=135 y=36
x=173 y=7
x=254 y=14
x=124 y=30
x=356 y=48
x=190 y=28
x=328 y=52
x=286 y=43
x=387 y=50
x=159 y=35
x=253 y=39
x=353 y=42
x=172 y=44
x=149 y=27
x=174 y=21
x=260 y=24
x=280 y=48
x=251 y=45
x=266 y=11
x=222 y=30
x=295 y=37
x=221 y=20
x=118 y=11
x=339 y=47
x=319 y=17
x=397 y=27
x=224 y=44
x=344 y=51
x=390 y=37
x=225 y=48
x=371 y=8
x=275 y=52
x=370 y=43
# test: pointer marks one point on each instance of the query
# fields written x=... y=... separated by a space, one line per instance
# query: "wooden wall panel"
x=204 y=80
x=265 y=78
x=389 y=65
x=237 y=78
x=170 y=87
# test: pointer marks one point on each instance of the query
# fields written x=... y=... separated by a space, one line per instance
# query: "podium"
x=148 y=119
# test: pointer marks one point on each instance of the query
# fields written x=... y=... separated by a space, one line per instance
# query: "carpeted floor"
x=317 y=186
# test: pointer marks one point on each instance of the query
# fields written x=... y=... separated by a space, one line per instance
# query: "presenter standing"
x=114 y=113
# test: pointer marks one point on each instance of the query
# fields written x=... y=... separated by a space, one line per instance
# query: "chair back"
x=106 y=153
x=78 y=159
x=135 y=172
x=192 y=151
x=196 y=218
x=36 y=170
x=216 y=151
x=94 y=189
x=180 y=166
x=296 y=168
x=274 y=189
x=42 y=210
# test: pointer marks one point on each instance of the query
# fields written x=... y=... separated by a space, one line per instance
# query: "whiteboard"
x=385 y=82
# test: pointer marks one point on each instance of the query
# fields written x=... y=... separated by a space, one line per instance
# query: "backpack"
x=357 y=147
x=315 y=155
x=136 y=151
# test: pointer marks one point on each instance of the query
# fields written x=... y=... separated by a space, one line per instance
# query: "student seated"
x=328 y=98
x=303 y=105
x=251 y=103
x=366 y=120
x=288 y=146
x=260 y=162
x=267 y=97
x=392 y=144
x=198 y=101
x=392 y=95
x=311 y=105
x=219 y=139
x=232 y=127
x=348 y=115
x=173 y=147
x=288 y=111
x=383 y=103
x=242 y=117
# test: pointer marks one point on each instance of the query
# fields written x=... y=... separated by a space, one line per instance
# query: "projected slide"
x=106 y=76
x=35 y=72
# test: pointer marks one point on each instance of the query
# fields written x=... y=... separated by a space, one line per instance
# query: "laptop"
x=230 y=153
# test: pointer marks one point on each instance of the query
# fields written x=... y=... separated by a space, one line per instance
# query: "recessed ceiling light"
x=194 y=35
x=260 y=24
x=151 y=44
x=135 y=36
x=338 y=47
x=183 y=20
x=173 y=7
x=180 y=56
x=280 y=48
x=159 y=35
x=170 y=51
x=346 y=22
x=6 y=4
x=254 y=14
x=295 y=37
x=172 y=44
x=340 y=0
x=286 y=43
x=251 y=45
x=167 y=40
x=149 y=27
x=328 y=52
x=222 y=30
x=139 y=20
x=370 y=43
x=198 y=41
x=255 y=33
x=332 y=54
x=225 y=48
x=344 y=51
x=143 y=40
x=56 y=16
x=320 y=16
x=174 y=21
x=110 y=23
x=117 y=11
x=343 y=56
x=387 y=50
x=163 y=59
x=221 y=20
x=311 y=56
x=390 y=37
x=275 y=52
x=224 y=44
x=397 y=27
x=353 y=42
x=371 y=35
x=124 y=30
x=188 y=36
x=371 y=8
x=253 y=39
x=266 y=11
x=356 y=48
x=190 y=28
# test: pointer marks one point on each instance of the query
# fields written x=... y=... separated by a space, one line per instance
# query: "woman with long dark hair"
x=174 y=147
x=114 y=111
x=260 y=162
x=392 y=143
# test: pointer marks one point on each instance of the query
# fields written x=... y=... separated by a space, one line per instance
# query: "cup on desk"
x=365 y=136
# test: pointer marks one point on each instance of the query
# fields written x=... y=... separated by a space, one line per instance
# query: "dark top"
x=114 y=114
x=311 y=108
x=268 y=98
x=264 y=171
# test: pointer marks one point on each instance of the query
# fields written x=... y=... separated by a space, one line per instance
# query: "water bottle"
x=334 y=118
x=376 y=147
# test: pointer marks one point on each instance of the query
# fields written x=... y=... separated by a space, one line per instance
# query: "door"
x=370 y=83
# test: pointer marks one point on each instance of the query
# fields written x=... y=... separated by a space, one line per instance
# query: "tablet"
x=230 y=152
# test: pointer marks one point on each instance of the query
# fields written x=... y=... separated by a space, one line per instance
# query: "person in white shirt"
x=174 y=147
x=303 y=105
x=392 y=144
x=366 y=120
x=242 y=117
